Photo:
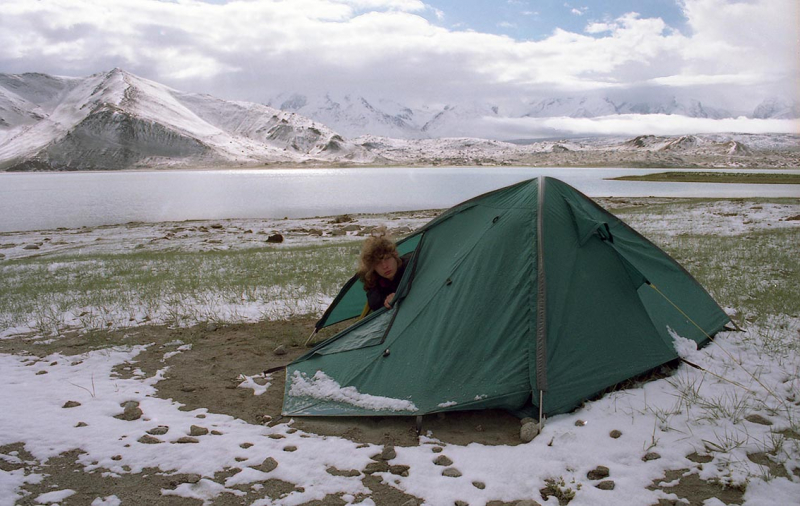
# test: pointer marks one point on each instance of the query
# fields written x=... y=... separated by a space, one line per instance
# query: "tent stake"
x=312 y=335
x=541 y=410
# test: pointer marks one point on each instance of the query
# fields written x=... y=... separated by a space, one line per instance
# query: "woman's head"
x=379 y=257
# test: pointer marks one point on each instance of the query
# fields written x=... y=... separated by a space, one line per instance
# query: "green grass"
x=715 y=177
x=187 y=285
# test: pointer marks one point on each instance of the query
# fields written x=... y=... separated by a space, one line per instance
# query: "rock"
x=338 y=232
x=196 y=430
x=388 y=453
x=399 y=470
x=30 y=247
x=437 y=449
x=276 y=436
x=81 y=424
x=267 y=466
x=754 y=418
x=71 y=404
x=479 y=485
x=451 y=472
x=275 y=238
x=186 y=440
x=191 y=478
x=349 y=473
x=527 y=502
x=351 y=228
x=580 y=423
x=606 y=485
x=216 y=433
x=290 y=448
x=376 y=467
x=442 y=460
x=315 y=231
x=245 y=445
x=651 y=456
x=149 y=440
x=131 y=411
x=461 y=503
x=215 y=226
x=528 y=431
x=280 y=350
x=188 y=388
x=211 y=326
x=344 y=218
x=116 y=458
x=527 y=419
x=598 y=473
x=158 y=431
x=615 y=434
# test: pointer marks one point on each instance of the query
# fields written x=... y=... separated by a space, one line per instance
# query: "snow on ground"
x=692 y=411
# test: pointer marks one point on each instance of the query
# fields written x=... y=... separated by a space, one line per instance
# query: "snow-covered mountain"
x=593 y=107
x=116 y=120
x=356 y=115
x=777 y=108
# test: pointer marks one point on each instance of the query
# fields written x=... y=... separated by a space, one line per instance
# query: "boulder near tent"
x=528 y=298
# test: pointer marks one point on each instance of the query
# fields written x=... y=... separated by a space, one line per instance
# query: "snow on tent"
x=528 y=298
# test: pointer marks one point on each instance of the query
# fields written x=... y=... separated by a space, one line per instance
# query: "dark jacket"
x=384 y=287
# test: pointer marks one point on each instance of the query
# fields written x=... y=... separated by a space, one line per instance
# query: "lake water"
x=38 y=201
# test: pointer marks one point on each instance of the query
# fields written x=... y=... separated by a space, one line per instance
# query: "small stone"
x=598 y=473
x=461 y=503
x=651 y=456
x=276 y=436
x=41 y=372
x=71 y=404
x=388 y=453
x=758 y=419
x=149 y=440
x=191 y=478
x=290 y=448
x=528 y=431
x=158 y=431
x=442 y=460
x=349 y=473
x=196 y=430
x=275 y=238
x=376 y=467
x=527 y=502
x=437 y=449
x=30 y=247
x=245 y=445
x=280 y=350
x=267 y=466
x=200 y=416
x=116 y=457
x=451 y=472
x=81 y=424
x=291 y=431
x=130 y=412
x=606 y=485
x=186 y=440
x=580 y=423
x=479 y=485
x=615 y=434
x=188 y=388
x=399 y=470
x=216 y=433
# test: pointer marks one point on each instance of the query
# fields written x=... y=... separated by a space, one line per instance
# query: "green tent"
x=530 y=297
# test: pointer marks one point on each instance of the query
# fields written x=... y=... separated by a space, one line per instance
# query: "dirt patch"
x=691 y=488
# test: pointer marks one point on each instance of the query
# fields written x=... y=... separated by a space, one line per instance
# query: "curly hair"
x=375 y=249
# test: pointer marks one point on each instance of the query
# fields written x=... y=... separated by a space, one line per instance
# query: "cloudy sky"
x=726 y=53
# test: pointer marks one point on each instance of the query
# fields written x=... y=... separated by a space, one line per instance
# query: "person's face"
x=386 y=267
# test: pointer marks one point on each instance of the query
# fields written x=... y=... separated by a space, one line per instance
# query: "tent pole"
x=312 y=335
x=541 y=410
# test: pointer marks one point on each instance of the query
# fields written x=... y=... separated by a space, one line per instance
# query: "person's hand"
x=388 y=301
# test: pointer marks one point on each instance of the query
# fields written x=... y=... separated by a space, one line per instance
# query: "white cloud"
x=254 y=49
x=636 y=124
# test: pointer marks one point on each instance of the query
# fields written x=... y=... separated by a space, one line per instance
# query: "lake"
x=38 y=201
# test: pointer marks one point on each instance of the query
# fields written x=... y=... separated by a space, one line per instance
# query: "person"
x=381 y=269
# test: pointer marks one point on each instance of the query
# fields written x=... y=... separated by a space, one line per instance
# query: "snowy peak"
x=116 y=120
x=572 y=107
x=777 y=108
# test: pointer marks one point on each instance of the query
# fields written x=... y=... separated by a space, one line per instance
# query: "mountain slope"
x=116 y=120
